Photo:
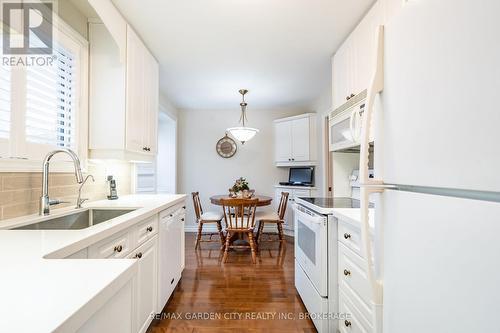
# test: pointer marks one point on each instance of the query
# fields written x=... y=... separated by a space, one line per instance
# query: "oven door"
x=311 y=246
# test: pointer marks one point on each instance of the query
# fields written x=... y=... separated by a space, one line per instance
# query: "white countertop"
x=39 y=294
x=353 y=216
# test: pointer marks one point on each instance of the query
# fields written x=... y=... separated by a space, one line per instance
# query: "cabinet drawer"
x=116 y=246
x=350 y=237
x=82 y=254
x=356 y=323
x=146 y=229
x=301 y=193
x=171 y=211
x=353 y=276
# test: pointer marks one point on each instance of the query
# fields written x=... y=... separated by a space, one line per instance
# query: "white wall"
x=201 y=169
x=166 y=163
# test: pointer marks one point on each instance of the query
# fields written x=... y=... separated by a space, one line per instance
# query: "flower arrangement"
x=241 y=184
x=241 y=189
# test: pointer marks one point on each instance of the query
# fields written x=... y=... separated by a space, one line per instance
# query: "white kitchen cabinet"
x=293 y=192
x=364 y=48
x=283 y=140
x=114 y=316
x=142 y=105
x=353 y=63
x=82 y=254
x=152 y=104
x=123 y=103
x=342 y=74
x=115 y=246
x=145 y=295
x=171 y=252
x=295 y=140
x=391 y=8
x=135 y=108
x=353 y=285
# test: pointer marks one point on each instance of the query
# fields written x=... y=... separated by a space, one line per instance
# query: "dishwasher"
x=171 y=233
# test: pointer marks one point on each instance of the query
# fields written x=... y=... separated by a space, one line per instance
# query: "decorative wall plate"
x=226 y=147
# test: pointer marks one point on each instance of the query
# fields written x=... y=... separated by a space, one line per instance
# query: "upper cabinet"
x=123 y=90
x=353 y=63
x=295 y=140
x=141 y=96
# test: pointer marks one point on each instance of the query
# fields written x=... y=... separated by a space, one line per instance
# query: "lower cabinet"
x=114 y=316
x=171 y=257
x=146 y=283
x=293 y=192
x=353 y=285
x=158 y=244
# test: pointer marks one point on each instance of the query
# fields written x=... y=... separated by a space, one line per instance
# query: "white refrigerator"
x=437 y=161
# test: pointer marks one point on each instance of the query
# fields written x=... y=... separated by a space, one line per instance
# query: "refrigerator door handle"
x=368 y=185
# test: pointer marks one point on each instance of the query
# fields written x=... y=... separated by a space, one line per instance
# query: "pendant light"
x=243 y=133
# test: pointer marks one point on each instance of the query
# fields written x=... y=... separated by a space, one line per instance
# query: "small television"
x=301 y=176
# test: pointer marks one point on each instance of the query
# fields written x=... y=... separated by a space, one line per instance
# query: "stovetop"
x=325 y=205
x=338 y=202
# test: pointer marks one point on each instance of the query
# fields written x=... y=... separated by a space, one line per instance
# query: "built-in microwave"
x=345 y=123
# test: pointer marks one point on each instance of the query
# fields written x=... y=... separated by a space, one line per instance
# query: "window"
x=45 y=107
x=5 y=102
x=50 y=100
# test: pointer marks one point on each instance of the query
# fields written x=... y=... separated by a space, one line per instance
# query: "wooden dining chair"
x=239 y=215
x=206 y=217
x=275 y=218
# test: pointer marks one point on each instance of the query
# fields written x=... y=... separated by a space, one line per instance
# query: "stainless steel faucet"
x=45 y=201
x=79 y=201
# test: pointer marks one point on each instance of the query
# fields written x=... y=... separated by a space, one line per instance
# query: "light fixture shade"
x=242 y=134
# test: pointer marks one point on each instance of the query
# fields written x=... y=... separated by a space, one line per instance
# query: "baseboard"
x=213 y=228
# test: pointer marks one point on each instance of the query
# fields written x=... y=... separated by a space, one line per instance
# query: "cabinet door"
x=391 y=8
x=151 y=103
x=283 y=141
x=182 y=236
x=146 y=283
x=363 y=47
x=342 y=62
x=172 y=255
x=135 y=119
x=300 y=139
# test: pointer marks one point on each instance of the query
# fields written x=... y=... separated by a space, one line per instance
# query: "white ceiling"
x=278 y=49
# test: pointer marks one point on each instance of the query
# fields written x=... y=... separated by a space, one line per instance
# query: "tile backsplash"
x=20 y=191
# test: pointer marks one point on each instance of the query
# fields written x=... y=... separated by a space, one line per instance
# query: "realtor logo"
x=35 y=21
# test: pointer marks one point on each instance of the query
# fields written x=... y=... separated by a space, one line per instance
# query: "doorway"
x=161 y=175
x=166 y=160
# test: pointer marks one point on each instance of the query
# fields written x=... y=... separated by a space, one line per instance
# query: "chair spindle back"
x=239 y=213
x=282 y=205
x=198 y=210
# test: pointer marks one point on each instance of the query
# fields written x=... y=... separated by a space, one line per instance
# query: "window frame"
x=20 y=159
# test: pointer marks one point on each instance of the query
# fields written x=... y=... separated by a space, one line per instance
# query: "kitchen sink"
x=75 y=221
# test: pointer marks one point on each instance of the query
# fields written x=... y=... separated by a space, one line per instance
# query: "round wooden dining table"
x=263 y=200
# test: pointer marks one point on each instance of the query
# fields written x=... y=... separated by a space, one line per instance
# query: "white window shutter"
x=50 y=102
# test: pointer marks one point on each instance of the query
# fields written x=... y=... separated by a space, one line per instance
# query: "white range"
x=316 y=252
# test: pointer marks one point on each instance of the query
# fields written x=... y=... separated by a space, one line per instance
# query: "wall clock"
x=226 y=147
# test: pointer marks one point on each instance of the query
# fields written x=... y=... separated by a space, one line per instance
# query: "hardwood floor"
x=237 y=296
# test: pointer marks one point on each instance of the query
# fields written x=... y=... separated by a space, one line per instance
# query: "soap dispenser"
x=112 y=189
